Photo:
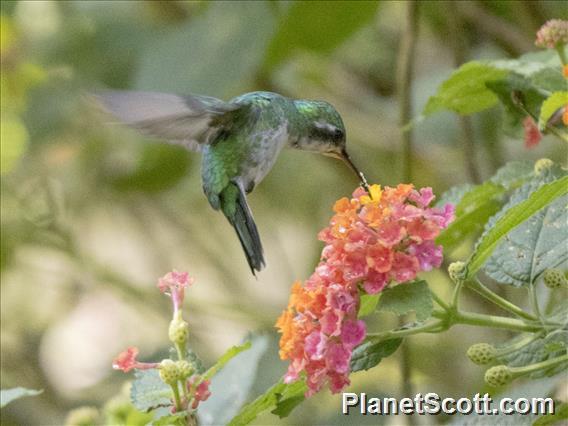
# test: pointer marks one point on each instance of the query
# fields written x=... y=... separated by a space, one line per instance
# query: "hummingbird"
x=239 y=140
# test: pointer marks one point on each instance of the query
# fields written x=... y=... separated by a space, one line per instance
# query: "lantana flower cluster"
x=373 y=239
x=179 y=374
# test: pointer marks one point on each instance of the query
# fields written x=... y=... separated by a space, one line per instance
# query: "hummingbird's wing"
x=190 y=121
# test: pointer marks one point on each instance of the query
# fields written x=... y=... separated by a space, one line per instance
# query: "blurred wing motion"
x=190 y=121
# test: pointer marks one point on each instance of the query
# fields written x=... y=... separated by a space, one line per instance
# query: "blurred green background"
x=93 y=213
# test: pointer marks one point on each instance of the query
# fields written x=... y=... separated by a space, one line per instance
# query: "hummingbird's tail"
x=234 y=206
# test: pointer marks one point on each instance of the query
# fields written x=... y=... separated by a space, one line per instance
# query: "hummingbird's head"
x=323 y=131
x=321 y=128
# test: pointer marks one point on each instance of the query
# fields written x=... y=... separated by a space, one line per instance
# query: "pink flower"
x=331 y=322
x=422 y=198
x=200 y=392
x=174 y=283
x=337 y=358
x=429 y=255
x=341 y=299
x=532 y=134
x=353 y=332
x=315 y=345
x=405 y=267
x=337 y=382
x=375 y=282
x=126 y=361
x=379 y=258
x=390 y=233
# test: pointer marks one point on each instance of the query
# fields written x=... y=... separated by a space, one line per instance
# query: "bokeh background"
x=93 y=213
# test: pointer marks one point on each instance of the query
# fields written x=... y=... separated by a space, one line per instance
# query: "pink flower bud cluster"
x=552 y=34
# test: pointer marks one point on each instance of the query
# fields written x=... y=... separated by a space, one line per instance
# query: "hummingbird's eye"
x=339 y=134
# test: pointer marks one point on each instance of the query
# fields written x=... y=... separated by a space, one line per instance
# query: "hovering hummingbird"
x=239 y=140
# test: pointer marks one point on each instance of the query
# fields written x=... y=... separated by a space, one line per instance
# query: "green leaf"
x=226 y=357
x=511 y=218
x=538 y=351
x=280 y=393
x=513 y=90
x=472 y=212
x=536 y=244
x=560 y=413
x=454 y=195
x=285 y=406
x=476 y=204
x=550 y=79
x=177 y=419
x=406 y=297
x=465 y=92
x=9 y=395
x=149 y=391
x=231 y=387
x=477 y=86
x=513 y=174
x=307 y=27
x=530 y=64
x=370 y=353
x=554 y=102
x=560 y=313
x=368 y=304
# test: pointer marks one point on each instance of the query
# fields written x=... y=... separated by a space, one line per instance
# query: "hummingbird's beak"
x=347 y=160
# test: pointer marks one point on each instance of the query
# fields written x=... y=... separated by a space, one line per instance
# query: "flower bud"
x=456 y=271
x=82 y=416
x=481 y=353
x=498 y=376
x=169 y=372
x=178 y=331
x=553 y=33
x=555 y=278
x=541 y=165
x=185 y=369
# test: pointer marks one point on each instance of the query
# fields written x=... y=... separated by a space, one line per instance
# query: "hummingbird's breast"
x=265 y=146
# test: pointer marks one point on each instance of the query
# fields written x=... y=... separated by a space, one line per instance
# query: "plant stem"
x=184 y=391
x=404 y=332
x=503 y=32
x=460 y=48
x=480 y=289
x=405 y=69
x=549 y=363
x=493 y=321
x=534 y=302
x=192 y=420
x=177 y=400
x=456 y=296
x=518 y=344
x=560 y=50
x=180 y=352
x=439 y=301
